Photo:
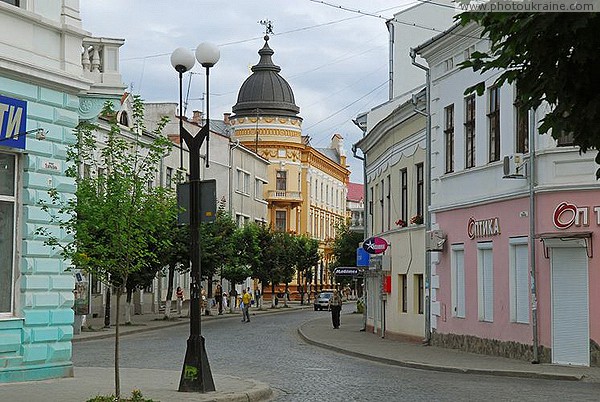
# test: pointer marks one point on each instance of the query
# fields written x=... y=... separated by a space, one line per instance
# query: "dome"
x=265 y=90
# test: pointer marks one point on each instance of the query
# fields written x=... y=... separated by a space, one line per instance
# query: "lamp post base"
x=196 y=375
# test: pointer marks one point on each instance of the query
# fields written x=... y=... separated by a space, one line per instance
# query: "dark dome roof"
x=265 y=90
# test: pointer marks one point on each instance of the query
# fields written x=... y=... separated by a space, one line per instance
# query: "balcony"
x=284 y=197
x=100 y=62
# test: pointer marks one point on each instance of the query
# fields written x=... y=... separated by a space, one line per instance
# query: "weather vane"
x=268 y=26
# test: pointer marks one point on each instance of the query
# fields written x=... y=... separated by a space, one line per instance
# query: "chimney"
x=226 y=118
x=197 y=117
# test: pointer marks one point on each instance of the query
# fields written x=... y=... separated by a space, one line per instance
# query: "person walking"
x=335 y=305
x=246 y=300
x=179 y=295
x=219 y=298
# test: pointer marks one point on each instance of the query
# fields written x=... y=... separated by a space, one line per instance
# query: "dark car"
x=322 y=301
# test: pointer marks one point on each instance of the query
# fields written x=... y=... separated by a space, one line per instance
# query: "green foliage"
x=307 y=254
x=345 y=245
x=553 y=58
x=217 y=247
x=136 y=396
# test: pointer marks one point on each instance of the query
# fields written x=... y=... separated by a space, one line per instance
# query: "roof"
x=265 y=90
x=330 y=153
x=356 y=192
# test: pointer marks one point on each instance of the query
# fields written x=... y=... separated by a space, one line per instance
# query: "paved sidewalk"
x=94 y=327
x=350 y=340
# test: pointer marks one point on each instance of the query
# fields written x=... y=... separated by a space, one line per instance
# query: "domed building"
x=306 y=187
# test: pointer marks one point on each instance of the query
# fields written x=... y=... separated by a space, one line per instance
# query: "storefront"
x=569 y=276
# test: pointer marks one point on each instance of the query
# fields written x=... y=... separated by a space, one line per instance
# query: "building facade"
x=43 y=76
x=395 y=153
x=518 y=275
x=305 y=186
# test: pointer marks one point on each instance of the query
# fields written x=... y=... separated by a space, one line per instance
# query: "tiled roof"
x=355 y=191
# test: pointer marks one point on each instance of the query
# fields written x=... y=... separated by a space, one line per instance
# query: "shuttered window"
x=485 y=280
x=458 y=281
x=519 y=280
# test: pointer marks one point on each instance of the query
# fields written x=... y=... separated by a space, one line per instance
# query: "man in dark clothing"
x=219 y=298
x=335 y=304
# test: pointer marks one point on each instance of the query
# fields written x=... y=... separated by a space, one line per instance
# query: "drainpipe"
x=231 y=148
x=413 y=55
x=365 y=219
x=534 y=317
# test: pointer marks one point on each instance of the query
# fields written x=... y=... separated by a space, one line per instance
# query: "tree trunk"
x=170 y=281
x=117 y=376
x=273 y=294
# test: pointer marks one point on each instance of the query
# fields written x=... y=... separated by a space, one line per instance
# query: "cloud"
x=332 y=58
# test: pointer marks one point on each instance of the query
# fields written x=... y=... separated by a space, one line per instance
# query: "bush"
x=136 y=396
x=360 y=305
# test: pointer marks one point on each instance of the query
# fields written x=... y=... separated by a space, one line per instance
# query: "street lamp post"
x=196 y=375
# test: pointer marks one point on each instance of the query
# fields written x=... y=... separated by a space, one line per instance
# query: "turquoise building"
x=52 y=73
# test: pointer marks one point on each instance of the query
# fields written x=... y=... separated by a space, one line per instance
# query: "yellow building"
x=306 y=186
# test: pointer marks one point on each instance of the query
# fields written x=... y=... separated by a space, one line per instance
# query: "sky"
x=333 y=54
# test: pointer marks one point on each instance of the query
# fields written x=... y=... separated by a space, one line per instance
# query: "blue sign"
x=13 y=121
x=362 y=257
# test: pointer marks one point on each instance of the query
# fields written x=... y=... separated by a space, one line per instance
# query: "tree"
x=307 y=256
x=344 y=248
x=112 y=221
x=216 y=244
x=553 y=58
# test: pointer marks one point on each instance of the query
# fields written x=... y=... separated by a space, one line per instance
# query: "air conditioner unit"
x=434 y=240
x=513 y=166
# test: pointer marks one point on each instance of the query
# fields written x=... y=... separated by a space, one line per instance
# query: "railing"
x=100 y=60
x=284 y=195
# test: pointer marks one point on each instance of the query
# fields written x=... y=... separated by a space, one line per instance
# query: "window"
x=404 y=195
x=566 y=140
x=96 y=285
x=469 y=52
x=485 y=281
x=13 y=2
x=403 y=293
x=448 y=64
x=449 y=137
x=494 y=123
x=169 y=177
x=457 y=274
x=381 y=205
x=519 y=280
x=280 y=221
x=420 y=294
x=281 y=180
x=389 y=202
x=7 y=230
x=243 y=182
x=470 y=131
x=420 y=187
x=258 y=189
x=522 y=129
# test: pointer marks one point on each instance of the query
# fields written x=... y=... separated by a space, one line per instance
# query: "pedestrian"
x=246 y=300
x=179 y=295
x=203 y=301
x=225 y=301
x=335 y=305
x=219 y=298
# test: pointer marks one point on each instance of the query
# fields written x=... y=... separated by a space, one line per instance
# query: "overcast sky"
x=334 y=56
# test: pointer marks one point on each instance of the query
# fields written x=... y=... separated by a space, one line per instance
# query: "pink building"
x=490 y=292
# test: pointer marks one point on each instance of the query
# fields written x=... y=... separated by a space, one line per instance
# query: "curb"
x=126 y=330
x=448 y=369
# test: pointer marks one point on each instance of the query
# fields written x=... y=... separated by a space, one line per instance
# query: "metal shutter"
x=570 y=309
x=521 y=283
x=460 y=283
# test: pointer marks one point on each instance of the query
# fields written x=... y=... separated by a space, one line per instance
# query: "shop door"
x=570 y=310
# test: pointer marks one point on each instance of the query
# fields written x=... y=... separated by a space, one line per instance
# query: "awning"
x=567 y=239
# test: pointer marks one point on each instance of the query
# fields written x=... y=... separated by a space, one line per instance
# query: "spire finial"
x=268 y=27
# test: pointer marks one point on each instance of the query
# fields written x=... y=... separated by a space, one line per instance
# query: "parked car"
x=322 y=301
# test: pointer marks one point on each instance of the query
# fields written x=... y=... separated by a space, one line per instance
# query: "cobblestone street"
x=269 y=349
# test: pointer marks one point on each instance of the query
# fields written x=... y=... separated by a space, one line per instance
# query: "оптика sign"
x=13 y=121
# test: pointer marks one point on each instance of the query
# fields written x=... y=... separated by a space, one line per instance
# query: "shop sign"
x=375 y=245
x=483 y=228
x=13 y=118
x=566 y=215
